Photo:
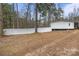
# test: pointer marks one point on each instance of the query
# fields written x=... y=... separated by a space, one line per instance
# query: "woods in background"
x=28 y=15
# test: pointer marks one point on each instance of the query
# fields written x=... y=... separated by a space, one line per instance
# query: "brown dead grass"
x=50 y=43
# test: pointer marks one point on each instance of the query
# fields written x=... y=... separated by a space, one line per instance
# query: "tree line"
x=29 y=15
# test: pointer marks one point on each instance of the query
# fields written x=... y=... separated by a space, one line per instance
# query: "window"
x=69 y=24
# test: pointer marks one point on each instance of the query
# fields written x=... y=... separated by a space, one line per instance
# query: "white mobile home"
x=62 y=25
x=54 y=25
x=25 y=31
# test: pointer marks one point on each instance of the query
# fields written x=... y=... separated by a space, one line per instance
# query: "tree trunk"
x=27 y=15
x=13 y=16
x=1 y=21
x=49 y=17
x=36 y=20
x=39 y=20
x=17 y=16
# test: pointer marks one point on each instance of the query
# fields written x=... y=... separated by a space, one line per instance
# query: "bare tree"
x=17 y=15
x=13 y=16
x=36 y=18
x=1 y=21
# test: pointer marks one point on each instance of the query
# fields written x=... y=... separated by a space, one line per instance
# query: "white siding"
x=62 y=25
x=25 y=31
x=54 y=25
x=44 y=29
x=18 y=31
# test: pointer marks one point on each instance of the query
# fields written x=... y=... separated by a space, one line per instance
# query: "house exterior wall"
x=25 y=31
x=62 y=25
x=54 y=25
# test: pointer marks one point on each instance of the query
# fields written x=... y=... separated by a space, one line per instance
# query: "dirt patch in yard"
x=51 y=43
